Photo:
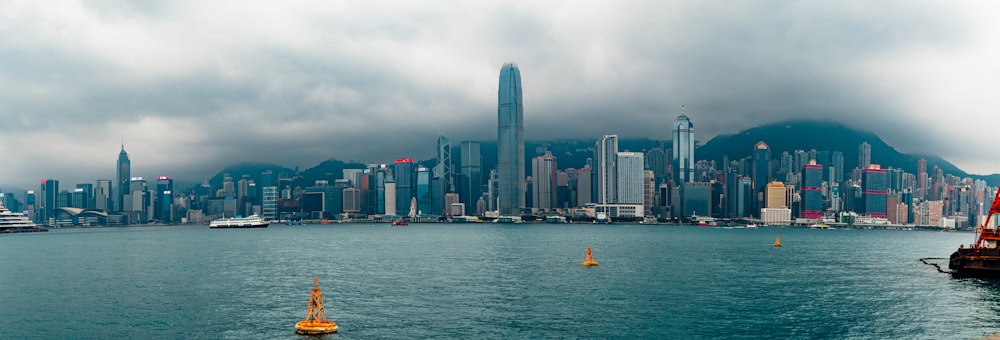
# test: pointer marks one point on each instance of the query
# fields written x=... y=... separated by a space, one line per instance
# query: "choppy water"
x=489 y=281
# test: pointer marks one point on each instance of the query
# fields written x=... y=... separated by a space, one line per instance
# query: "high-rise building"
x=656 y=161
x=583 y=187
x=761 y=172
x=864 y=155
x=124 y=176
x=628 y=173
x=471 y=183
x=86 y=200
x=164 y=197
x=443 y=168
x=875 y=181
x=922 y=179
x=837 y=165
x=543 y=177
x=812 y=191
x=50 y=200
x=648 y=191
x=683 y=161
x=605 y=156
x=510 y=142
x=776 y=195
x=424 y=192
x=402 y=173
x=102 y=195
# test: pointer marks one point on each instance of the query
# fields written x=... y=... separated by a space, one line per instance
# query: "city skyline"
x=191 y=90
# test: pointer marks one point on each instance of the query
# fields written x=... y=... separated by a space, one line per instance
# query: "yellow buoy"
x=589 y=260
x=315 y=322
x=777 y=241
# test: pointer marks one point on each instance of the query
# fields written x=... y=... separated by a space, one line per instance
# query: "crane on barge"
x=982 y=258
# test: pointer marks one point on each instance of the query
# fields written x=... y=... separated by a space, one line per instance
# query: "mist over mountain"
x=821 y=136
x=780 y=137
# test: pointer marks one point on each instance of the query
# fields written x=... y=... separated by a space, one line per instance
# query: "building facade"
x=510 y=142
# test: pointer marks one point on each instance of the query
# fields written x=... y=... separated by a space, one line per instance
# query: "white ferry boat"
x=12 y=222
x=252 y=221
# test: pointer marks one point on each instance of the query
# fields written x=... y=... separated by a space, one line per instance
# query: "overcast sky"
x=192 y=86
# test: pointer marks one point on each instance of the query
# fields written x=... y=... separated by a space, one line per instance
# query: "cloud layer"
x=192 y=86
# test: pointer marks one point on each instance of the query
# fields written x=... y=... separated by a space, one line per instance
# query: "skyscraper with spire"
x=124 y=178
x=683 y=148
x=510 y=142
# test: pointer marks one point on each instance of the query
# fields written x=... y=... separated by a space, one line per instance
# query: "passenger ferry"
x=12 y=222
x=252 y=221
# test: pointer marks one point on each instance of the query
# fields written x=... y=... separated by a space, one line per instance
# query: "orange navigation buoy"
x=589 y=260
x=777 y=241
x=315 y=322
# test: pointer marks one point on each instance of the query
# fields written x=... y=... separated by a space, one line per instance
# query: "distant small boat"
x=777 y=241
x=589 y=260
x=752 y=226
x=400 y=223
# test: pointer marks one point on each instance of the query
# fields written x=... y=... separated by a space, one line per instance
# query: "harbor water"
x=489 y=281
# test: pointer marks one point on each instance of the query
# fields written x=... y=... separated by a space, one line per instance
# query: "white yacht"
x=252 y=221
x=12 y=222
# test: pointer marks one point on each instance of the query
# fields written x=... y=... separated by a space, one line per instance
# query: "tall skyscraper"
x=605 y=156
x=864 y=155
x=510 y=141
x=683 y=160
x=812 y=191
x=761 y=173
x=124 y=176
x=471 y=183
x=543 y=177
x=837 y=164
x=404 y=176
x=49 y=203
x=443 y=169
x=629 y=178
x=102 y=195
x=164 y=198
x=424 y=192
x=874 y=183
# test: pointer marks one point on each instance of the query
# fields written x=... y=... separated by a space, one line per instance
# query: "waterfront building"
x=510 y=142
x=656 y=161
x=164 y=197
x=424 y=192
x=443 y=168
x=776 y=195
x=124 y=175
x=102 y=195
x=874 y=187
x=85 y=198
x=390 y=197
x=648 y=191
x=471 y=178
x=812 y=191
x=604 y=172
x=269 y=202
x=697 y=199
x=49 y=200
x=352 y=200
x=683 y=152
x=761 y=171
x=403 y=174
x=543 y=177
x=584 y=192
x=629 y=174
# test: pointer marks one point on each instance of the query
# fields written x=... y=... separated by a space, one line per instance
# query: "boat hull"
x=261 y=225
x=975 y=262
